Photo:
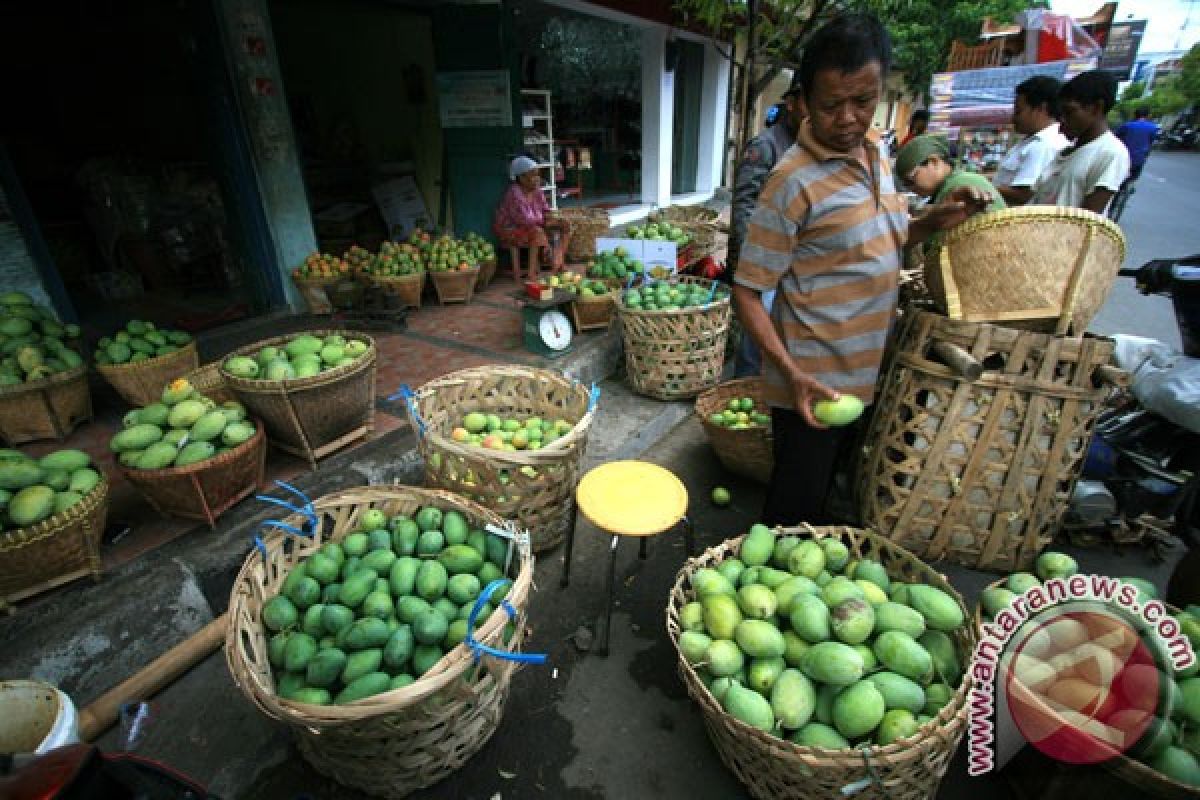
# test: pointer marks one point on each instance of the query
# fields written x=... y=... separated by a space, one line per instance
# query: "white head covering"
x=520 y=165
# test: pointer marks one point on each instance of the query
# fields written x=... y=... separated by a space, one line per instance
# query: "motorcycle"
x=1181 y=138
x=1141 y=475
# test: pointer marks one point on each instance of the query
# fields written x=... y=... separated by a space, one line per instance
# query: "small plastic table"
x=628 y=498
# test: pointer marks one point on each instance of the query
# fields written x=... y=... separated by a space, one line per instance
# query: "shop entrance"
x=593 y=70
x=112 y=142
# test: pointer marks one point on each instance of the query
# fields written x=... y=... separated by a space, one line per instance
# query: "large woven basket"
x=315 y=416
x=542 y=502
x=746 y=452
x=1043 y=267
x=313 y=290
x=210 y=382
x=407 y=288
x=775 y=769
x=457 y=286
x=487 y=271
x=391 y=744
x=593 y=313
x=676 y=354
x=45 y=409
x=979 y=471
x=678 y=215
x=207 y=489
x=56 y=550
x=587 y=224
x=140 y=383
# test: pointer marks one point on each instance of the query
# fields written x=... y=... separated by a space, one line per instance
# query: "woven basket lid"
x=1047 y=264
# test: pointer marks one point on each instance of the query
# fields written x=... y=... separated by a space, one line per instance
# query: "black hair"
x=846 y=43
x=1041 y=91
x=1141 y=113
x=1089 y=88
x=920 y=115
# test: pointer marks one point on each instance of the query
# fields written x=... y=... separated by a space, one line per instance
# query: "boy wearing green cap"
x=924 y=165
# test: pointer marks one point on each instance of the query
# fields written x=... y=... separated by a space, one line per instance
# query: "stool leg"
x=612 y=579
x=642 y=548
x=689 y=535
x=566 y=573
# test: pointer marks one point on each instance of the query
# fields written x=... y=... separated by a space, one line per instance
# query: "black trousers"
x=805 y=460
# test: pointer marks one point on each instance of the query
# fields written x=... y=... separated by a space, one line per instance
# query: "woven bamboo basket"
x=45 y=409
x=1043 y=267
x=702 y=239
x=745 y=452
x=457 y=286
x=775 y=769
x=1143 y=781
x=979 y=471
x=542 y=501
x=407 y=288
x=592 y=313
x=315 y=416
x=207 y=489
x=55 y=551
x=676 y=354
x=391 y=744
x=210 y=382
x=140 y=383
x=587 y=224
x=314 y=294
x=677 y=215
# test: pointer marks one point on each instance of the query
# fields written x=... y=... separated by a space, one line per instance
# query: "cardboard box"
x=651 y=253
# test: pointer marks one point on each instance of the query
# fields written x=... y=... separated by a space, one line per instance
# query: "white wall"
x=713 y=101
x=658 y=106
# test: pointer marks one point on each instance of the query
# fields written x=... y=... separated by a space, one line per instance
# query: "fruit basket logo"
x=1079 y=667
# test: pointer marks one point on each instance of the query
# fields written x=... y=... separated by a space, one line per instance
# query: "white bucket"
x=35 y=718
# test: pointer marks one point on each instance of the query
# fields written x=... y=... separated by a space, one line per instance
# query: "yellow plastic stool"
x=628 y=498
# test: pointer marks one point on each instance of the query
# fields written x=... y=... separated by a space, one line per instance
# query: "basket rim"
x=408 y=277
x=56 y=523
x=146 y=363
x=324 y=281
x=66 y=376
x=364 y=361
x=563 y=445
x=1009 y=216
x=134 y=474
x=446 y=272
x=906 y=748
x=315 y=716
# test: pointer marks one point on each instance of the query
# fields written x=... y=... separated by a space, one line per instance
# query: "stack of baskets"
x=390 y=744
x=771 y=767
x=747 y=452
x=57 y=550
x=47 y=409
x=534 y=487
x=586 y=225
x=141 y=382
x=675 y=354
x=698 y=222
x=315 y=416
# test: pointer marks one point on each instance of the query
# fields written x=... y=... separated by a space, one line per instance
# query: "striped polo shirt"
x=828 y=233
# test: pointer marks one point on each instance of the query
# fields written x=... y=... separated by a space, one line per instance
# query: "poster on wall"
x=475 y=99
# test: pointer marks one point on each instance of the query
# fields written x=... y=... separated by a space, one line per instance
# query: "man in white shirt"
x=1035 y=115
x=1087 y=174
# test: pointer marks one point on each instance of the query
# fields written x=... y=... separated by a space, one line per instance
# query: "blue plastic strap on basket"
x=310 y=514
x=405 y=393
x=478 y=648
x=262 y=548
x=292 y=529
x=593 y=398
x=863 y=783
x=712 y=292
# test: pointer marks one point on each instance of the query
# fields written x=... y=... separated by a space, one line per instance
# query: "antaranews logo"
x=1081 y=666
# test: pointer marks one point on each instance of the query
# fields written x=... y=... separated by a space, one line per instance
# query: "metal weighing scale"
x=546 y=328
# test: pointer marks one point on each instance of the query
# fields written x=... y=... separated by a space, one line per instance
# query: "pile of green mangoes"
x=479 y=249
x=615 y=265
x=32 y=341
x=376 y=610
x=1171 y=742
x=32 y=490
x=301 y=357
x=662 y=231
x=796 y=638
x=739 y=414
x=140 y=340
x=185 y=428
x=669 y=296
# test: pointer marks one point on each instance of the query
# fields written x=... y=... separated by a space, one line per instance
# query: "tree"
x=1189 y=78
x=1168 y=97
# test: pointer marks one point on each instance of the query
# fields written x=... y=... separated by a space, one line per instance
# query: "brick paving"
x=437 y=340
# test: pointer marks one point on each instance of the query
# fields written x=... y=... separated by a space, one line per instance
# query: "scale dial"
x=555 y=330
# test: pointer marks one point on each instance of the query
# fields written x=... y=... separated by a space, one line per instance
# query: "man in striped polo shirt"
x=828 y=234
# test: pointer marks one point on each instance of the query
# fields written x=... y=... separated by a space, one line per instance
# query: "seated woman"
x=521 y=218
x=924 y=166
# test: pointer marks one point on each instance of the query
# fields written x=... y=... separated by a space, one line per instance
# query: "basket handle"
x=478 y=648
